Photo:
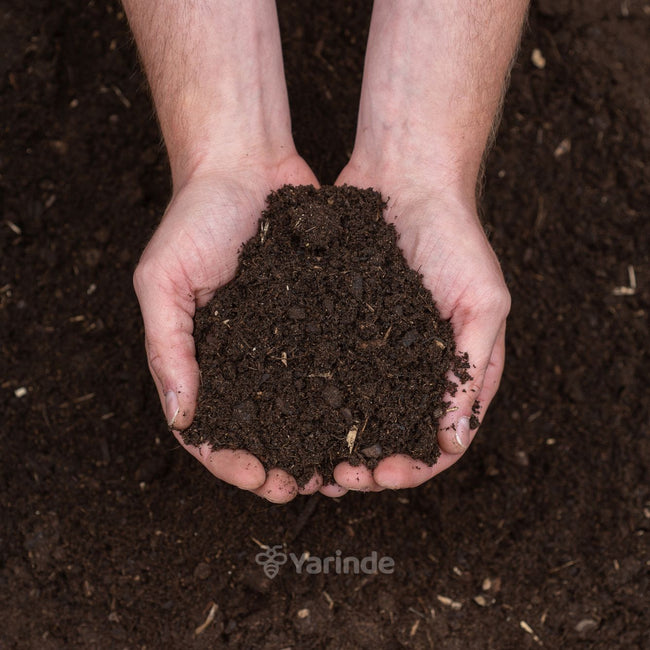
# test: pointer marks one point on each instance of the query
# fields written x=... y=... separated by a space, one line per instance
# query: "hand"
x=441 y=237
x=193 y=252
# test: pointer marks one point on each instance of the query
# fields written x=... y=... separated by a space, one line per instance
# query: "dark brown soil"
x=111 y=536
x=325 y=347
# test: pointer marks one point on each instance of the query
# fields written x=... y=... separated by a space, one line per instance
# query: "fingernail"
x=462 y=432
x=171 y=407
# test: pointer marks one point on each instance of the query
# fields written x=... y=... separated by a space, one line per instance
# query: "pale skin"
x=433 y=82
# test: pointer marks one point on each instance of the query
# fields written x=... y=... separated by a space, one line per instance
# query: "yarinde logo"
x=273 y=557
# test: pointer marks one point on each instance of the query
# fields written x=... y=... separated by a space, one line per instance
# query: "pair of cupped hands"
x=195 y=250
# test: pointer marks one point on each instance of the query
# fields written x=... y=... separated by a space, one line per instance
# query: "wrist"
x=221 y=151
x=258 y=168
x=409 y=176
x=398 y=142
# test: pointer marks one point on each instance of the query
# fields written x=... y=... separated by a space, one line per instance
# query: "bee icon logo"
x=271 y=559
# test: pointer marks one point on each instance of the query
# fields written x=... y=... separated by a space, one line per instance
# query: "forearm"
x=217 y=80
x=433 y=84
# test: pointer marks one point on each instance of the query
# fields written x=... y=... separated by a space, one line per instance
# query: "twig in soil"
x=566 y=565
x=415 y=611
x=83 y=398
x=450 y=602
x=632 y=275
x=264 y=229
x=526 y=628
x=351 y=437
x=13 y=227
x=328 y=598
x=629 y=290
x=303 y=518
x=209 y=618
x=563 y=148
x=121 y=96
x=264 y=547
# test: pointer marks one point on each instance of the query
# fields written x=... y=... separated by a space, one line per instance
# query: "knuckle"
x=504 y=301
x=497 y=301
x=155 y=361
x=150 y=273
x=142 y=276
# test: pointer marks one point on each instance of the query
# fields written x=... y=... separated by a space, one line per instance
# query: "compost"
x=325 y=347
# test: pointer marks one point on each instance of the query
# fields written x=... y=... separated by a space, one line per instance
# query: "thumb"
x=486 y=354
x=168 y=315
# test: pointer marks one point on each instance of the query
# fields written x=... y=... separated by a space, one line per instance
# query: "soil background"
x=113 y=537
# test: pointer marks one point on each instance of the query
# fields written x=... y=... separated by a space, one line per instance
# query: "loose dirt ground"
x=113 y=537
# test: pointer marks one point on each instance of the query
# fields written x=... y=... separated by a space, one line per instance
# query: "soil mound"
x=325 y=347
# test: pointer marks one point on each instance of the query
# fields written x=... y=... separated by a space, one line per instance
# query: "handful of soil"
x=325 y=347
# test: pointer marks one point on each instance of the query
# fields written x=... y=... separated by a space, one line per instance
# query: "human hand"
x=441 y=236
x=193 y=252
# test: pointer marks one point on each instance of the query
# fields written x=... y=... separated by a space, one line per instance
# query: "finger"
x=237 y=467
x=313 y=485
x=168 y=322
x=400 y=472
x=485 y=348
x=279 y=487
x=493 y=373
x=359 y=478
x=332 y=490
